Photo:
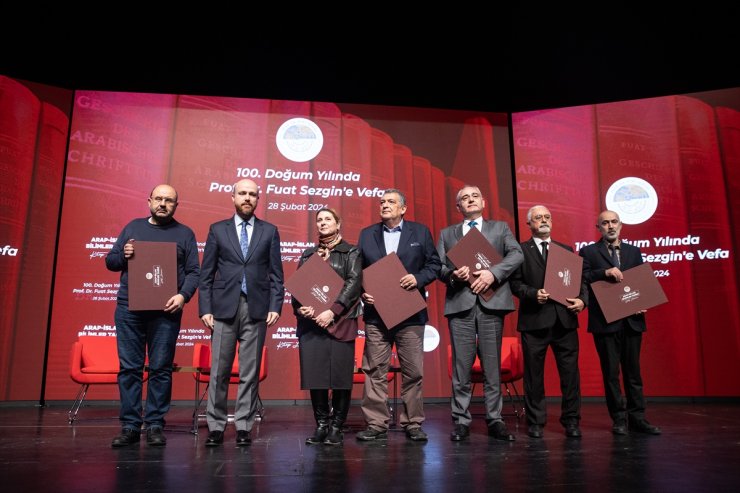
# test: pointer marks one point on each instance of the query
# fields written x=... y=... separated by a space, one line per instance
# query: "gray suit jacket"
x=459 y=297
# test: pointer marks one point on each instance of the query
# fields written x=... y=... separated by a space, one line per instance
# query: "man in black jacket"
x=617 y=343
x=545 y=323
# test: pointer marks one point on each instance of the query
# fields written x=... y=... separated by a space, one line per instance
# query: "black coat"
x=596 y=261
x=527 y=280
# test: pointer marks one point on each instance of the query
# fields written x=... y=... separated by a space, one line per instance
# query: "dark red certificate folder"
x=152 y=275
x=315 y=284
x=477 y=253
x=393 y=303
x=563 y=274
x=639 y=290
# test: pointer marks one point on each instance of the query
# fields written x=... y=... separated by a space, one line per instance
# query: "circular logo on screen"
x=325 y=289
x=627 y=289
x=299 y=140
x=431 y=338
x=149 y=276
x=634 y=199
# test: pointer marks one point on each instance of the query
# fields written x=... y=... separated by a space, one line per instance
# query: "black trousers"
x=622 y=350
x=565 y=347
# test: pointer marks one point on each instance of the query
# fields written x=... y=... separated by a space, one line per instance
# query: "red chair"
x=512 y=369
x=93 y=361
x=202 y=374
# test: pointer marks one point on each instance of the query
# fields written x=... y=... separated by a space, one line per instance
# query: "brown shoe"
x=371 y=434
x=417 y=435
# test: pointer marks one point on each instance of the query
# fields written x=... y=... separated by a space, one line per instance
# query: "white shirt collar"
x=238 y=220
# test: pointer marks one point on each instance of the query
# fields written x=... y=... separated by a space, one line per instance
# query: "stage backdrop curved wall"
x=119 y=145
x=679 y=156
x=342 y=156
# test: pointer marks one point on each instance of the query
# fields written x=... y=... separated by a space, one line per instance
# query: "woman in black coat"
x=327 y=339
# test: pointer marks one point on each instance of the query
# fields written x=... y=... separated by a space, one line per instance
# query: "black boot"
x=340 y=401
x=321 y=412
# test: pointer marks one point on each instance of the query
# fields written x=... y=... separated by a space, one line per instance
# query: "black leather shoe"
x=644 y=427
x=461 y=432
x=572 y=430
x=619 y=428
x=215 y=438
x=535 y=431
x=416 y=434
x=243 y=438
x=128 y=436
x=498 y=431
x=155 y=437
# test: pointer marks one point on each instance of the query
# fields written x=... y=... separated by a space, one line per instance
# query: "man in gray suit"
x=241 y=294
x=476 y=325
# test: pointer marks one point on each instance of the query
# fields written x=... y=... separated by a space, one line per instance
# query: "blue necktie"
x=472 y=224
x=244 y=243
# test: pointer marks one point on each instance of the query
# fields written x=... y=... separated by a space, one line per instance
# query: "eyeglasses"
x=540 y=217
x=166 y=200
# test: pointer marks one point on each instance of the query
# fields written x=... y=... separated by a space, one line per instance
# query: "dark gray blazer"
x=459 y=297
x=596 y=261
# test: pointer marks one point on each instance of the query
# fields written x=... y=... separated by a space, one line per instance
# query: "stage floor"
x=699 y=450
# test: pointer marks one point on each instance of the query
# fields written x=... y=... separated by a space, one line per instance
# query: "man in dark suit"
x=545 y=323
x=413 y=244
x=241 y=294
x=617 y=343
x=476 y=325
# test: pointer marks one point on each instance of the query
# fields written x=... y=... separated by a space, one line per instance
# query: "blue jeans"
x=138 y=334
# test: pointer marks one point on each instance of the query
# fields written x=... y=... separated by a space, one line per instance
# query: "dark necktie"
x=615 y=255
x=544 y=251
x=244 y=243
x=472 y=224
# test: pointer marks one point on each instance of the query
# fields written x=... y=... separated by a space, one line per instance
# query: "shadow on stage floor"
x=698 y=451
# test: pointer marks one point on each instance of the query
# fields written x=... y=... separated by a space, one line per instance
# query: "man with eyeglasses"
x=150 y=332
x=545 y=323
x=476 y=324
x=618 y=343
